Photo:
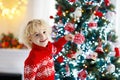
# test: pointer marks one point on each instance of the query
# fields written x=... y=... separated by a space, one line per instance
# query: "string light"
x=12 y=8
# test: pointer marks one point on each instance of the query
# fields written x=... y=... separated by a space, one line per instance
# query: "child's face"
x=40 y=37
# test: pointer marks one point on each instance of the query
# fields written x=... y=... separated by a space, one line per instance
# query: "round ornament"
x=92 y=24
x=107 y=2
x=77 y=13
x=60 y=59
x=111 y=68
x=98 y=13
x=79 y=38
x=69 y=27
x=72 y=1
x=82 y=74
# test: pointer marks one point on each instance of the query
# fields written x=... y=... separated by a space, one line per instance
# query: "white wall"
x=43 y=9
x=12 y=60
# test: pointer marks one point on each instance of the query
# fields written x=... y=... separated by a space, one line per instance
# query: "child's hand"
x=69 y=37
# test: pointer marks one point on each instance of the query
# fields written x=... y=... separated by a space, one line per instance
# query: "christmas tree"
x=93 y=54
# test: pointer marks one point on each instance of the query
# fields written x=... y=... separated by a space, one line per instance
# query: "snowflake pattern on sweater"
x=40 y=65
x=41 y=69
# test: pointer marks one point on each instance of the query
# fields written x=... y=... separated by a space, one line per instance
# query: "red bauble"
x=71 y=55
x=69 y=27
x=98 y=13
x=117 y=52
x=60 y=59
x=59 y=13
x=82 y=74
x=72 y=0
x=51 y=17
x=107 y=2
x=79 y=38
x=99 y=49
x=72 y=9
x=92 y=24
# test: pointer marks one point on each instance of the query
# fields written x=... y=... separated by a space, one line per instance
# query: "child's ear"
x=29 y=39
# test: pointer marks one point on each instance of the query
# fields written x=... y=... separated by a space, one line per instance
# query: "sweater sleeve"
x=30 y=68
x=59 y=44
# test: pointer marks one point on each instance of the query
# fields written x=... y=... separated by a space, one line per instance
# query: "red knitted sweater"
x=39 y=65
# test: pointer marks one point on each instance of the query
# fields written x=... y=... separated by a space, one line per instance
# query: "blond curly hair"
x=33 y=26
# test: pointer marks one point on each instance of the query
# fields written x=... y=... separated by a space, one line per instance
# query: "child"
x=39 y=64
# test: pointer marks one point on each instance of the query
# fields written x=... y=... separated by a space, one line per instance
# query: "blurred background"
x=14 y=15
